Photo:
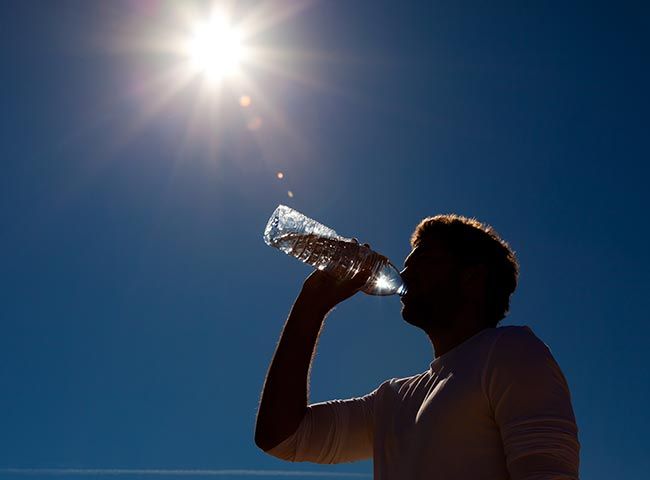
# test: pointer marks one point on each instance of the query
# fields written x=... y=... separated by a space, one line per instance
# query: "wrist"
x=313 y=302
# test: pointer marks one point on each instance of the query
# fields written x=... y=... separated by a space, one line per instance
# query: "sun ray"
x=274 y=114
x=205 y=122
x=154 y=94
x=269 y=66
x=267 y=15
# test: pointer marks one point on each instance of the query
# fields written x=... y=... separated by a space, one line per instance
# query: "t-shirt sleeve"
x=531 y=402
x=337 y=431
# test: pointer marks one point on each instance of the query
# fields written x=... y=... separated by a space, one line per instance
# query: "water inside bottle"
x=343 y=258
x=320 y=246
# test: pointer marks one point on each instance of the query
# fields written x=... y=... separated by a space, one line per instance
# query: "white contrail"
x=163 y=472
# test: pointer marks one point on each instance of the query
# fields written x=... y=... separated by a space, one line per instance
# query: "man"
x=493 y=404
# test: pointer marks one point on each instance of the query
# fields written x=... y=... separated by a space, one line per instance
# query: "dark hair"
x=471 y=242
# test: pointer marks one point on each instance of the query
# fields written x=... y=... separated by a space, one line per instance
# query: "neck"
x=454 y=332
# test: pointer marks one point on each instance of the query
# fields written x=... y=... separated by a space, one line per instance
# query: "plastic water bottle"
x=320 y=246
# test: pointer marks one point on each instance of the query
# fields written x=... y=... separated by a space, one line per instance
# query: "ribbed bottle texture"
x=311 y=242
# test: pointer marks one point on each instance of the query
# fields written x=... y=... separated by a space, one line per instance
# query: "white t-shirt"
x=495 y=407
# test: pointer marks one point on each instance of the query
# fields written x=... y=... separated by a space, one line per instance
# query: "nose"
x=404 y=275
x=404 y=272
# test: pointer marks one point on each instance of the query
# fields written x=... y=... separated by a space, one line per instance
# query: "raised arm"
x=285 y=394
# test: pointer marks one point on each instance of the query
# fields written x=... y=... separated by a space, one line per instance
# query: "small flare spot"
x=245 y=101
x=280 y=175
x=255 y=123
x=290 y=193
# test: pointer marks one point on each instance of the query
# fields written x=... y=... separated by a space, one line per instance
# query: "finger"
x=382 y=257
x=358 y=281
x=363 y=274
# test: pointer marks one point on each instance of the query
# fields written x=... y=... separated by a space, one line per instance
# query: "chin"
x=411 y=317
x=426 y=317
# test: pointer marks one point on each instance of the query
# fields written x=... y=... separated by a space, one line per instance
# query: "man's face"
x=432 y=279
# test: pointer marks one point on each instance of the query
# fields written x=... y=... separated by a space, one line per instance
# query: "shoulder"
x=515 y=338
x=516 y=331
x=517 y=351
x=523 y=381
x=399 y=386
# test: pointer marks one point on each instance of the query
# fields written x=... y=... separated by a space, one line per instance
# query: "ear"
x=474 y=278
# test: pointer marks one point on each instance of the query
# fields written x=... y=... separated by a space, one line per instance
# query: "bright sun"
x=206 y=58
x=215 y=48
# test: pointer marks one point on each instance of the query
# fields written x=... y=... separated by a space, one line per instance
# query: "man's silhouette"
x=493 y=404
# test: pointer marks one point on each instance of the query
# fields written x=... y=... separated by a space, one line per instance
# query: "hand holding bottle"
x=324 y=289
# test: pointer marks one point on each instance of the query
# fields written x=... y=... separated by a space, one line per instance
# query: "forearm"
x=285 y=393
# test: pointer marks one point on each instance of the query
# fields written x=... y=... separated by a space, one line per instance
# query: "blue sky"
x=140 y=306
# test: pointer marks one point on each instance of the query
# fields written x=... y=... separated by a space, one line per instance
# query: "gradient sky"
x=140 y=307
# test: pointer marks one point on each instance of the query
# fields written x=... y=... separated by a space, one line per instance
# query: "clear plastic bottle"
x=320 y=246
